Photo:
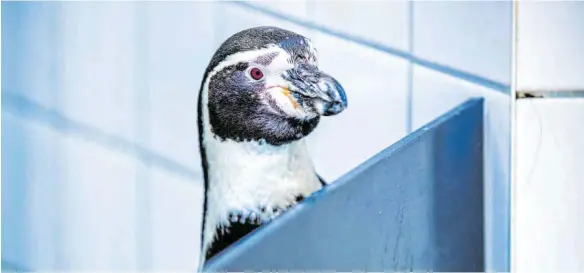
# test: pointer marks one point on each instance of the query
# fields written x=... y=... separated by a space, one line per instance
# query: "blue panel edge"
x=11 y=267
x=257 y=236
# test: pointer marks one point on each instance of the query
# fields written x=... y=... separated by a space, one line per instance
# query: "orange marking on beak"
x=288 y=94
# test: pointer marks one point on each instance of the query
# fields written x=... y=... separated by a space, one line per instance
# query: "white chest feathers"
x=245 y=176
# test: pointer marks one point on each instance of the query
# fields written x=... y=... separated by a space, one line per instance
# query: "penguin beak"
x=325 y=93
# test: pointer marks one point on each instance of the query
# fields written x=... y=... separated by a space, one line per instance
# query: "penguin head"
x=264 y=84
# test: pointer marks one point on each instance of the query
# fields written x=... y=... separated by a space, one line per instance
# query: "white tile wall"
x=376 y=87
x=384 y=22
x=31 y=171
x=95 y=37
x=31 y=50
x=174 y=63
x=548 y=150
x=548 y=206
x=550 y=45
x=175 y=207
x=296 y=8
x=243 y=18
x=68 y=202
x=99 y=206
x=473 y=36
x=125 y=92
x=173 y=69
x=433 y=95
x=83 y=210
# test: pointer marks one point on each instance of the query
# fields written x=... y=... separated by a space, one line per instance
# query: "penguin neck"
x=250 y=178
x=248 y=175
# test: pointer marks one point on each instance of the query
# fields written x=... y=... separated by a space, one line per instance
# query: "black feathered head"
x=263 y=84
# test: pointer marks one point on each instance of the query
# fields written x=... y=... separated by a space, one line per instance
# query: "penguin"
x=261 y=95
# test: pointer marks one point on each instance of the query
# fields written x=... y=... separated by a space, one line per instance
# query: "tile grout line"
x=548 y=94
x=511 y=204
x=15 y=104
x=463 y=75
x=61 y=146
x=410 y=73
x=143 y=221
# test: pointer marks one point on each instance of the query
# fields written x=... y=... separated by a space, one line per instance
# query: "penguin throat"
x=255 y=179
x=251 y=174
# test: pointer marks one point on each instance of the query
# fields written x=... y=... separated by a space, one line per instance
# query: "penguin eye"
x=256 y=73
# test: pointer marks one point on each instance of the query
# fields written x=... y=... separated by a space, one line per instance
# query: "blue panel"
x=417 y=205
x=12 y=268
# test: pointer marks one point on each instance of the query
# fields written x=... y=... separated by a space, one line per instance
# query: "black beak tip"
x=342 y=94
x=334 y=108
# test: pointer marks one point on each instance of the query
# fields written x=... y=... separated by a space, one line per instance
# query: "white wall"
x=100 y=106
x=548 y=154
x=101 y=165
x=549 y=189
x=550 y=43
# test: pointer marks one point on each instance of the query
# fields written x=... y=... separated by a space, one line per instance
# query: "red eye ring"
x=256 y=73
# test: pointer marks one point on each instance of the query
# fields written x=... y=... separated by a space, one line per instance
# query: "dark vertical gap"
x=506 y=263
x=142 y=114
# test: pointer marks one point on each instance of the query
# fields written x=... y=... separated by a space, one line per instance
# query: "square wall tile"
x=475 y=37
x=548 y=202
x=384 y=22
x=550 y=45
x=434 y=94
x=376 y=87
